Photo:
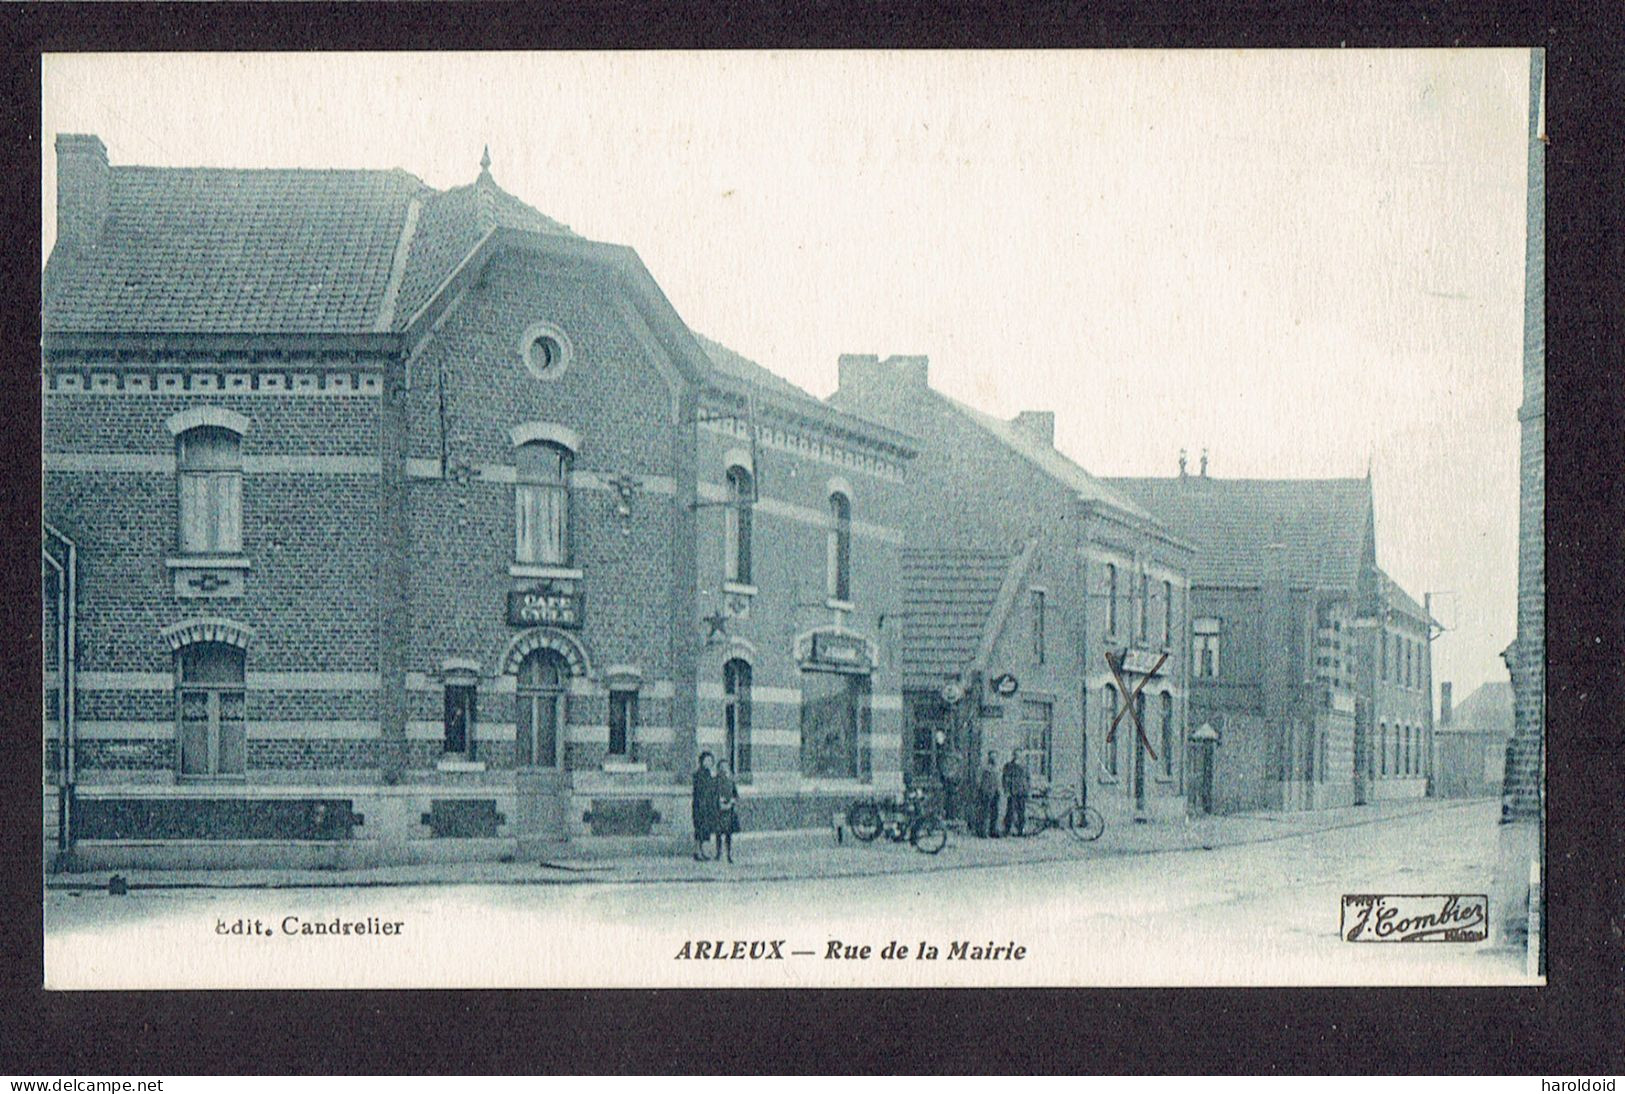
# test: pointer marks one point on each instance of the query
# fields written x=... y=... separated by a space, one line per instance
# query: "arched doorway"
x=539 y=709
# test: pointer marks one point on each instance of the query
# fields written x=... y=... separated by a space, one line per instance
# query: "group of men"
x=1013 y=784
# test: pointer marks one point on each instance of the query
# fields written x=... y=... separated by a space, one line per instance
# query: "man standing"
x=1017 y=784
x=987 y=789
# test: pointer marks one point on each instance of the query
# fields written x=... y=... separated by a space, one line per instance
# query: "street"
x=1263 y=912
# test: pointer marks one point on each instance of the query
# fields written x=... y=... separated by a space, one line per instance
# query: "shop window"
x=542 y=504
x=736 y=716
x=1167 y=734
x=736 y=527
x=839 y=562
x=1038 y=731
x=539 y=712
x=1111 y=598
x=210 y=708
x=1206 y=640
x=623 y=721
x=1038 y=625
x=834 y=724
x=459 y=721
x=1108 y=738
x=209 y=463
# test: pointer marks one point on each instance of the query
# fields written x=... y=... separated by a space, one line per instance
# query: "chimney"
x=1204 y=463
x=81 y=189
x=1036 y=425
x=1181 y=463
x=1444 y=703
x=861 y=372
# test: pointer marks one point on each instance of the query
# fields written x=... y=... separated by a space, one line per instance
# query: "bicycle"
x=914 y=819
x=1048 y=808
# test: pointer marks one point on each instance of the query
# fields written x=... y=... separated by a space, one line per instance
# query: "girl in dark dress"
x=705 y=805
x=727 y=809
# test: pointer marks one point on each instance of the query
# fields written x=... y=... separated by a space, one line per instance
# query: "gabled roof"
x=1487 y=710
x=954 y=607
x=1397 y=598
x=275 y=251
x=205 y=249
x=1048 y=460
x=1323 y=524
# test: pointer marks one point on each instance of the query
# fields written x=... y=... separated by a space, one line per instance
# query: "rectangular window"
x=1167 y=614
x=210 y=712
x=1206 y=653
x=1108 y=736
x=459 y=734
x=1145 y=608
x=623 y=722
x=1111 y=598
x=834 y=724
x=541 y=524
x=1384 y=674
x=1167 y=734
x=210 y=466
x=1038 y=625
x=1038 y=730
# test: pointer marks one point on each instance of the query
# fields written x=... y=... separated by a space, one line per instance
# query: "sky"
x=1308 y=263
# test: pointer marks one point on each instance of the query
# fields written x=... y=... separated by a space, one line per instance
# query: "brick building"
x=1311 y=669
x=1471 y=738
x=409 y=524
x=1523 y=793
x=1025 y=567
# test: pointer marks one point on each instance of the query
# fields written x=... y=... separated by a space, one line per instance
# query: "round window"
x=546 y=351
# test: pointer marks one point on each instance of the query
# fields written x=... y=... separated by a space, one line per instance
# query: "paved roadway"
x=1255 y=913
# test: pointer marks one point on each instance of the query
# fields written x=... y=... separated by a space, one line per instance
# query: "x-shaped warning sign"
x=1128 y=699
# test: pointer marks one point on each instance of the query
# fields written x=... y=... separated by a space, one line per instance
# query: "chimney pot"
x=1037 y=425
x=81 y=189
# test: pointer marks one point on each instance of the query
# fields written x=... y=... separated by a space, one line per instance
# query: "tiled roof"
x=1398 y=598
x=948 y=601
x=1487 y=710
x=1051 y=462
x=743 y=368
x=268 y=251
x=1323 y=524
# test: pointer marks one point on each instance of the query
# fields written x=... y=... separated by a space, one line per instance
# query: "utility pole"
x=1434 y=629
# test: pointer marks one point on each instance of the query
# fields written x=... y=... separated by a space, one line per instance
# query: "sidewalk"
x=788 y=856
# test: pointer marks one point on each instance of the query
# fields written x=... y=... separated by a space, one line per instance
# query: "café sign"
x=545 y=607
x=844 y=651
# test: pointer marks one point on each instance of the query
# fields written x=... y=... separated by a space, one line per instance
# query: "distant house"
x=1472 y=739
x=1309 y=664
x=1024 y=572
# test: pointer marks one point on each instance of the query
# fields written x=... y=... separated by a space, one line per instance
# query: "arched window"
x=736 y=715
x=1111 y=599
x=209 y=462
x=839 y=562
x=736 y=530
x=209 y=711
x=1167 y=734
x=539 y=713
x=542 y=504
x=1109 y=738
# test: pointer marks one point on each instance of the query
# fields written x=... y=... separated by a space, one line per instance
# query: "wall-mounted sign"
x=841 y=651
x=1142 y=661
x=1005 y=685
x=545 y=607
